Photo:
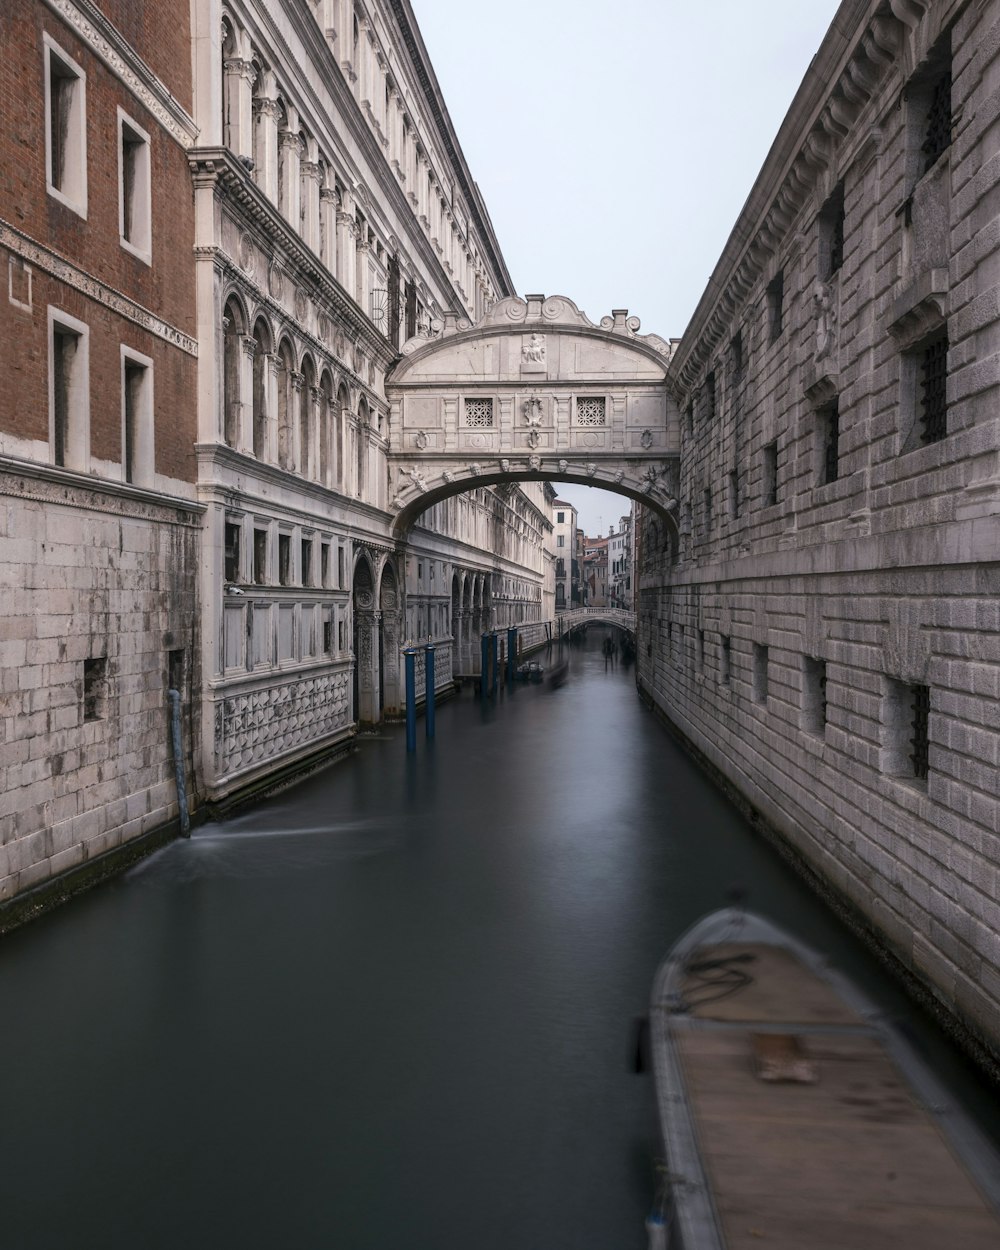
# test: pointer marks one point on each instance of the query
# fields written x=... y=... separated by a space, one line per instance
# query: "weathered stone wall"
x=815 y=595
x=89 y=574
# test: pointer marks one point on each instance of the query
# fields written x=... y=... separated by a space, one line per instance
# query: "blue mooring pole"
x=411 y=700
x=429 y=689
x=511 y=654
x=484 y=665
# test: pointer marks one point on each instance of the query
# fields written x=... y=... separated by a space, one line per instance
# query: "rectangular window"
x=328 y=633
x=560 y=540
x=134 y=191
x=324 y=564
x=260 y=557
x=725 y=661
x=937 y=126
x=232 y=552
x=814 y=694
x=736 y=358
x=734 y=495
x=69 y=391
x=137 y=418
x=560 y=518
x=700 y=653
x=710 y=397
x=759 y=673
x=340 y=569
x=95 y=688
x=907 y=739
x=775 y=306
x=307 y=562
x=65 y=128
x=689 y=419
x=707 y=495
x=829 y=429
x=420 y=570
x=284 y=559
x=175 y=670
x=769 y=485
x=831 y=234
x=341 y=635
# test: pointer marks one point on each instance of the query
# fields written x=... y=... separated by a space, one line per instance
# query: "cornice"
x=219 y=168
x=50 y=484
x=93 y=28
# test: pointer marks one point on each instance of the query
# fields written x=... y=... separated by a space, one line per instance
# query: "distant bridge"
x=565 y=621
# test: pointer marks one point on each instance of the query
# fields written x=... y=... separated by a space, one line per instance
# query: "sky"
x=615 y=143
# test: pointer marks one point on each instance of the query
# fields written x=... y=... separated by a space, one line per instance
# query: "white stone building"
x=826 y=626
x=564 y=540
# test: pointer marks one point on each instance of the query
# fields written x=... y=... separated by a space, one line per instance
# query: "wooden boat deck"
x=849 y=1159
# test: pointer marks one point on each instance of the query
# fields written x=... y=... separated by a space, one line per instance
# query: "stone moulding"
x=56 y=266
x=920 y=310
x=44 y=483
x=842 y=80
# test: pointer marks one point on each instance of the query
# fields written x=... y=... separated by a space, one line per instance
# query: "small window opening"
x=232 y=552
x=775 y=306
x=95 y=688
x=260 y=557
x=284 y=558
x=829 y=417
x=759 y=673
x=307 y=559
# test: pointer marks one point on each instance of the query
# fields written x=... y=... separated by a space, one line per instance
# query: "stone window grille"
x=479 y=414
x=759 y=673
x=95 y=688
x=919 y=739
x=933 y=379
x=590 y=410
x=907 y=730
x=937 y=129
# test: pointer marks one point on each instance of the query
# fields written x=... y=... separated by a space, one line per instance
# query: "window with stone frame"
x=65 y=127
x=709 y=396
x=929 y=110
x=69 y=391
x=906 y=730
x=590 y=410
x=725 y=659
x=135 y=204
x=137 y=418
x=734 y=494
x=924 y=391
x=231 y=551
x=479 y=413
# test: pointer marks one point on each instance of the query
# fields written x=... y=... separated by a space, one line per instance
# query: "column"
x=311 y=174
x=237 y=125
x=272 y=364
x=346 y=255
x=328 y=233
x=244 y=433
x=265 y=149
x=363 y=282
x=291 y=156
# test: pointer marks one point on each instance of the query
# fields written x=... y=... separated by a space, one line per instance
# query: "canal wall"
x=822 y=623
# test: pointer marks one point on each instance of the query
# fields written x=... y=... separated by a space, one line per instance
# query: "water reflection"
x=389 y=1006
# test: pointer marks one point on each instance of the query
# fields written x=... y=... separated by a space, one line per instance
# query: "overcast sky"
x=615 y=143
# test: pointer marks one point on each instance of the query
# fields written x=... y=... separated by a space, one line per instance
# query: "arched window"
x=233 y=331
x=262 y=348
x=286 y=404
x=230 y=106
x=307 y=466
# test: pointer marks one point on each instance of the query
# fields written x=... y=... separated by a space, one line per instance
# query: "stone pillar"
x=346 y=256
x=311 y=173
x=244 y=434
x=328 y=232
x=266 y=113
x=238 y=122
x=272 y=365
x=291 y=156
x=363 y=292
x=320 y=436
x=365 y=658
x=392 y=700
x=296 y=450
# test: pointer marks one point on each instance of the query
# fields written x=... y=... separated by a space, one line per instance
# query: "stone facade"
x=98 y=511
x=825 y=627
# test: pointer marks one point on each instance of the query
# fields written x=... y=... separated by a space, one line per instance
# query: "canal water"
x=391 y=1007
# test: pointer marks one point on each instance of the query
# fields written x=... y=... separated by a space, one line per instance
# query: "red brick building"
x=98 y=511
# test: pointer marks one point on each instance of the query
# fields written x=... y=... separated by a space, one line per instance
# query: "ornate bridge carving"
x=535 y=390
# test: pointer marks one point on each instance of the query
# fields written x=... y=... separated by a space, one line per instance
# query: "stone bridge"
x=534 y=391
x=565 y=621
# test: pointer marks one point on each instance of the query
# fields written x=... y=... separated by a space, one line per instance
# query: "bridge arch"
x=535 y=391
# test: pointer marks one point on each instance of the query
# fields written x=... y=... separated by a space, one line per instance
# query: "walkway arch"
x=535 y=391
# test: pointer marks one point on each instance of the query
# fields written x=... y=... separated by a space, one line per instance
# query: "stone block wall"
x=99 y=612
x=827 y=631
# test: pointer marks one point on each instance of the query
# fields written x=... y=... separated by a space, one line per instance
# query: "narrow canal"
x=391 y=1007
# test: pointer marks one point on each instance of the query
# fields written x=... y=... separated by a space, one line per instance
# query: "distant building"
x=595 y=572
x=564 y=537
x=620 y=564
